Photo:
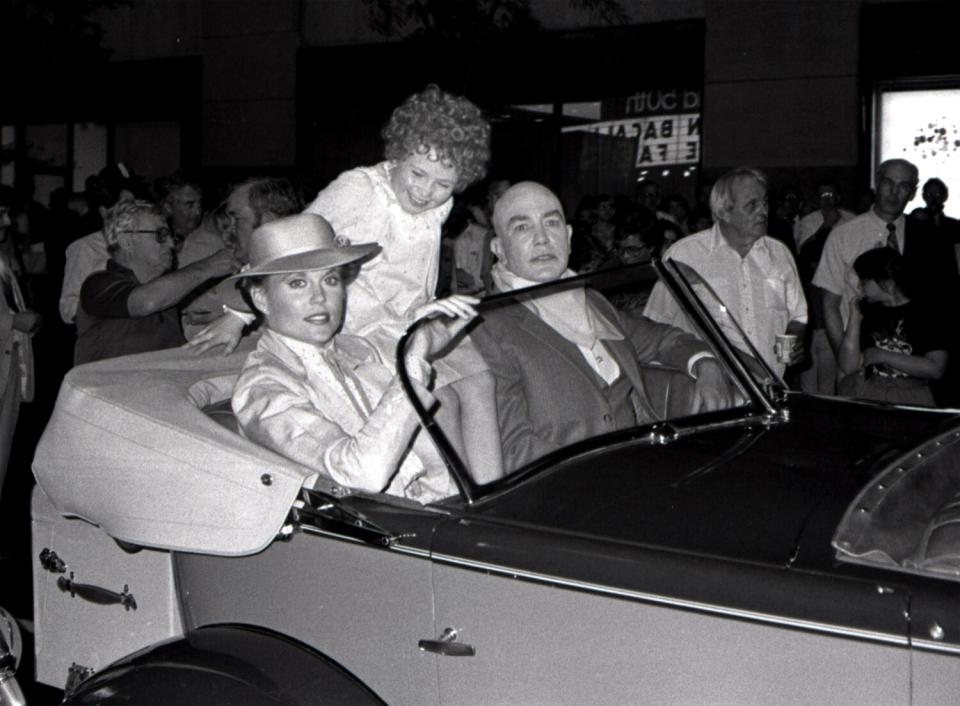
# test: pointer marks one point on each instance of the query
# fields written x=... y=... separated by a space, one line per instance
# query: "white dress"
x=361 y=205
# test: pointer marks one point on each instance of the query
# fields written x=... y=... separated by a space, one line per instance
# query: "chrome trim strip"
x=869 y=635
x=399 y=548
x=930 y=646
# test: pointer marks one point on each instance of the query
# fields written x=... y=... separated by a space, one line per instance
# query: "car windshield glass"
x=553 y=368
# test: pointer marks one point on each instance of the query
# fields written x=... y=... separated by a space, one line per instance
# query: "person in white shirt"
x=827 y=215
x=883 y=225
x=753 y=274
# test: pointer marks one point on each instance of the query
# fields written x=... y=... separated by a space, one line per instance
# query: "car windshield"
x=648 y=351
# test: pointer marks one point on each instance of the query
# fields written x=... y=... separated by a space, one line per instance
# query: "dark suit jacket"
x=930 y=263
x=549 y=397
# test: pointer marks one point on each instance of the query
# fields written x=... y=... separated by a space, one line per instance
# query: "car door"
x=353 y=581
x=935 y=641
x=554 y=619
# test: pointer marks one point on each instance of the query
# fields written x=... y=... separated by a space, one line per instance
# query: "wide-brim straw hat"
x=300 y=243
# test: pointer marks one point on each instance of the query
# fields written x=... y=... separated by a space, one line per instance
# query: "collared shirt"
x=84 y=257
x=845 y=244
x=762 y=290
x=570 y=315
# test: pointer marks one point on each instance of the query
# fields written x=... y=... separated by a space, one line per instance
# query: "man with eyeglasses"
x=131 y=306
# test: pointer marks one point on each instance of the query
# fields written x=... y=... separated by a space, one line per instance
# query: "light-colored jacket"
x=283 y=404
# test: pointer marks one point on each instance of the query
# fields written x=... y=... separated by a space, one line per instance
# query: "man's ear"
x=569 y=234
x=496 y=247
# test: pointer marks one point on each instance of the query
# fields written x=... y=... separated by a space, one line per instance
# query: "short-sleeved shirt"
x=762 y=290
x=105 y=328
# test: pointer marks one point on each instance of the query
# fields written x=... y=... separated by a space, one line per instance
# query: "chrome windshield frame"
x=761 y=405
x=681 y=288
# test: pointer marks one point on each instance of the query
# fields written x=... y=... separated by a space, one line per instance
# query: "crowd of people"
x=143 y=270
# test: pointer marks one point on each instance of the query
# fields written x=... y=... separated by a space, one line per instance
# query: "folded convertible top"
x=129 y=448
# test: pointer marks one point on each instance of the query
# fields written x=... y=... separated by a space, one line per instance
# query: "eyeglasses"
x=161 y=234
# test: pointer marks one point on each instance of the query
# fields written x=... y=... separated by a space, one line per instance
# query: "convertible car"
x=788 y=549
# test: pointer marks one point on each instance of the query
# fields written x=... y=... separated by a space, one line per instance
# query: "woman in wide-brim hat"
x=322 y=398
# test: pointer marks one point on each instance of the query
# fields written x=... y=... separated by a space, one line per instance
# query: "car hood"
x=752 y=492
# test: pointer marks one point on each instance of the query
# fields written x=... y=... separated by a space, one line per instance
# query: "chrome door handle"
x=447 y=645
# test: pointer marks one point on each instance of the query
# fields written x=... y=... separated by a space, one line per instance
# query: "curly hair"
x=119 y=218
x=451 y=125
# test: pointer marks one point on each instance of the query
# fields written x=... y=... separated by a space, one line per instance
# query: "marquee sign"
x=661 y=139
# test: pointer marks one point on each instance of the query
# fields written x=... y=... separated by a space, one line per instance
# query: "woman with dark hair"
x=893 y=347
x=437 y=144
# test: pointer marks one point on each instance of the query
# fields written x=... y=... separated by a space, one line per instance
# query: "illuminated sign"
x=661 y=139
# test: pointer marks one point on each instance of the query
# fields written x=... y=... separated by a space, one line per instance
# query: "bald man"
x=566 y=365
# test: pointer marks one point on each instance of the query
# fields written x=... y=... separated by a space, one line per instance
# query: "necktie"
x=892 y=237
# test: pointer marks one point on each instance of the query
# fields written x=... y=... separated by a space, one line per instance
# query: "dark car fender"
x=224 y=664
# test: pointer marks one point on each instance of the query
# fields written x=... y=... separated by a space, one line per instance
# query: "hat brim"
x=312 y=260
x=325 y=259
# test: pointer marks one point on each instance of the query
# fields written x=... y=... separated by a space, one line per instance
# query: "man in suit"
x=567 y=365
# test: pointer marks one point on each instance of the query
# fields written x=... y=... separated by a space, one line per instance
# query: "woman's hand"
x=450 y=316
x=226 y=331
x=454 y=306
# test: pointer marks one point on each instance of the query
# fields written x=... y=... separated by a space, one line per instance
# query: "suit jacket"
x=548 y=396
x=930 y=263
x=286 y=407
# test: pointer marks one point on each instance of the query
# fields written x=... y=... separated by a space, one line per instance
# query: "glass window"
x=922 y=125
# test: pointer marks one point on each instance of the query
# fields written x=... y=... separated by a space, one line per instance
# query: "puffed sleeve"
x=346 y=204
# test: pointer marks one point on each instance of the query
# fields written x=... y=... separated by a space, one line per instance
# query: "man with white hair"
x=131 y=306
x=753 y=274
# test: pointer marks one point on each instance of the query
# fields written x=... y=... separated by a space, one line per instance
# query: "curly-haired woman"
x=437 y=144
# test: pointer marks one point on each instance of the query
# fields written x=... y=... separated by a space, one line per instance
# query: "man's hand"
x=713 y=389
x=220 y=264
x=798 y=353
x=225 y=331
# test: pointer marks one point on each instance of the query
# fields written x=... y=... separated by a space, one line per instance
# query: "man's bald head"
x=533 y=238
